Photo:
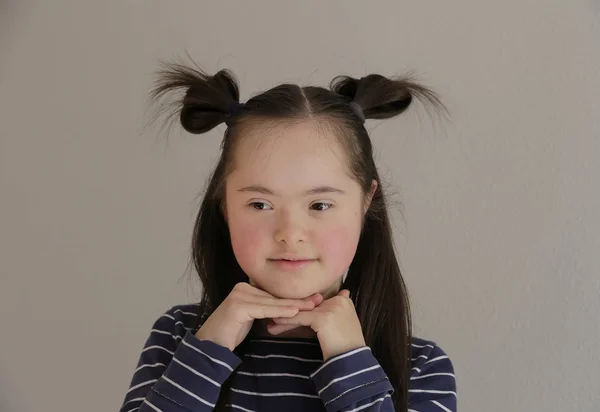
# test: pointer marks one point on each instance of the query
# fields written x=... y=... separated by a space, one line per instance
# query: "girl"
x=304 y=307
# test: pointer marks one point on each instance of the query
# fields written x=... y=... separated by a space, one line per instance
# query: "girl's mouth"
x=292 y=264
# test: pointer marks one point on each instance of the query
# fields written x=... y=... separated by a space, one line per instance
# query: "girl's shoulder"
x=428 y=356
x=432 y=378
x=426 y=350
x=180 y=319
x=422 y=345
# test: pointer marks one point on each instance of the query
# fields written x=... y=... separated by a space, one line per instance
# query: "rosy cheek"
x=247 y=241
x=338 y=246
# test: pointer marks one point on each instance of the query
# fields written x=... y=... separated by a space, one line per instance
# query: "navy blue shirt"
x=177 y=372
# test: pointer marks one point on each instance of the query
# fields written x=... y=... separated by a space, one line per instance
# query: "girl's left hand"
x=335 y=322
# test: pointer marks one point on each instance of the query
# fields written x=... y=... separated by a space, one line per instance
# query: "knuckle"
x=234 y=296
x=239 y=286
x=238 y=291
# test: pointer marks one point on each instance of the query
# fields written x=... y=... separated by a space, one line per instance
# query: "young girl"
x=304 y=307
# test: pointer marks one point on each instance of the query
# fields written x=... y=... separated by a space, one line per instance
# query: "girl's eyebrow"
x=315 y=191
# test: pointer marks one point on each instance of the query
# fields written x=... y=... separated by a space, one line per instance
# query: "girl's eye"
x=321 y=206
x=260 y=205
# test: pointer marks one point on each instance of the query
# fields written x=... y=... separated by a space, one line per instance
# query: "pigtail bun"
x=380 y=97
x=208 y=100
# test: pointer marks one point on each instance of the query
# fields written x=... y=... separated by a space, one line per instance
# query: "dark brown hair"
x=374 y=279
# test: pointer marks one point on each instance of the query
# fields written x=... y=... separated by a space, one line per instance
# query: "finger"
x=258 y=296
x=271 y=301
x=300 y=319
x=267 y=311
x=345 y=293
x=317 y=298
x=275 y=329
x=254 y=290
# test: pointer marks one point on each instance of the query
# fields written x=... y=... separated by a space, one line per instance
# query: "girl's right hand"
x=232 y=320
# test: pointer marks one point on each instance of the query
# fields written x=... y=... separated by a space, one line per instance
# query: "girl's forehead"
x=302 y=148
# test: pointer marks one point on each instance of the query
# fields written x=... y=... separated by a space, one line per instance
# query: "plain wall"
x=495 y=212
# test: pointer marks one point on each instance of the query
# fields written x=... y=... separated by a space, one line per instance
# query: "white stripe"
x=291 y=375
x=369 y=404
x=432 y=391
x=166 y=333
x=152 y=406
x=412 y=410
x=166 y=315
x=182 y=324
x=162 y=332
x=157 y=347
x=133 y=400
x=137 y=408
x=420 y=356
x=348 y=376
x=436 y=359
x=218 y=362
x=185 y=313
x=414 y=378
x=335 y=358
x=217 y=384
x=416 y=369
x=193 y=395
x=154 y=365
x=285 y=341
x=442 y=407
x=239 y=407
x=141 y=385
x=304 y=395
x=284 y=357
x=414 y=345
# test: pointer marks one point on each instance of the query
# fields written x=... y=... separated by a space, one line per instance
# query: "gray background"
x=495 y=212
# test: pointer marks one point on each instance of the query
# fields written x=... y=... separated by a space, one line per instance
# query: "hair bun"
x=380 y=97
x=207 y=98
x=345 y=86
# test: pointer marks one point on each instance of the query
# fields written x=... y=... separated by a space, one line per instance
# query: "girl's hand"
x=334 y=321
x=232 y=320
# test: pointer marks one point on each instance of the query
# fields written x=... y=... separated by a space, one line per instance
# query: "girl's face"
x=294 y=213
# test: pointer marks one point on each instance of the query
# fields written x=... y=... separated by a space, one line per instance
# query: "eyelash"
x=329 y=206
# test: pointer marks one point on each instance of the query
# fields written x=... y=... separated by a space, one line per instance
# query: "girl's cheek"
x=247 y=242
x=338 y=245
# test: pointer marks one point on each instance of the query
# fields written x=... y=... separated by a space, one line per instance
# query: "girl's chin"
x=292 y=291
x=304 y=294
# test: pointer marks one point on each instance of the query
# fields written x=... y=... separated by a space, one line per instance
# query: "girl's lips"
x=291 y=265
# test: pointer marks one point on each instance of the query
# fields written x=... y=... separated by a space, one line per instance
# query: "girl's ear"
x=370 y=195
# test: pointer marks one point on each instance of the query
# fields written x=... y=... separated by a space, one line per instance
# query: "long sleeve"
x=354 y=381
x=175 y=373
x=432 y=382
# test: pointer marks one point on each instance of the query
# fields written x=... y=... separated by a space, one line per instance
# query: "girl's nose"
x=290 y=230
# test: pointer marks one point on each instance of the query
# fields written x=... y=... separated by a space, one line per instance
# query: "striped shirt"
x=177 y=372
